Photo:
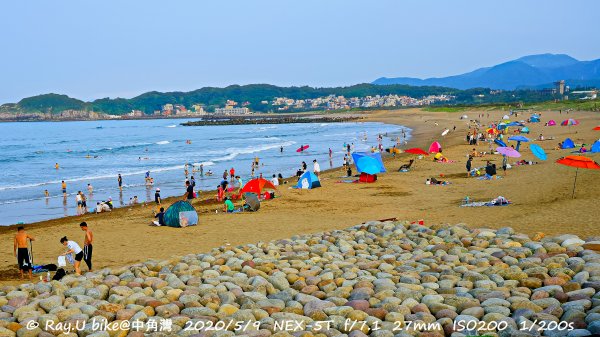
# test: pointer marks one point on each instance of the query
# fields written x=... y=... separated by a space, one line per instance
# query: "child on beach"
x=161 y=218
x=73 y=248
x=87 y=244
x=22 y=251
x=228 y=206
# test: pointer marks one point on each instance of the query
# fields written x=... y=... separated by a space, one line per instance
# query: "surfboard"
x=445 y=132
x=302 y=148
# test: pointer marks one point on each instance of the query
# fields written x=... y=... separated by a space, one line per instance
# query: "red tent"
x=367 y=178
x=257 y=185
x=435 y=147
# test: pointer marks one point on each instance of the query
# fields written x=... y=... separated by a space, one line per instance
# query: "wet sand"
x=541 y=196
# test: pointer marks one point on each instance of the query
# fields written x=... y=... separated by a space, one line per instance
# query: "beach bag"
x=60 y=273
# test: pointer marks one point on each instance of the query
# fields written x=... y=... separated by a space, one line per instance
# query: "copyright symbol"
x=32 y=325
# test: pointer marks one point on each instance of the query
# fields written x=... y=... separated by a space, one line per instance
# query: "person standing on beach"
x=120 y=181
x=281 y=149
x=90 y=189
x=504 y=163
x=469 y=162
x=193 y=181
x=157 y=198
x=304 y=166
x=83 y=203
x=240 y=183
x=78 y=202
x=87 y=244
x=330 y=154
x=232 y=174
x=22 y=253
x=225 y=175
x=56 y=166
x=202 y=170
x=63 y=185
x=189 y=192
x=73 y=247
x=316 y=167
x=46 y=193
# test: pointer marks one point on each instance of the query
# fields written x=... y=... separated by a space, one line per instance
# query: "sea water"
x=95 y=152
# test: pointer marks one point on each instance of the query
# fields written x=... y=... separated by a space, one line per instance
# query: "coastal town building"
x=333 y=102
x=230 y=110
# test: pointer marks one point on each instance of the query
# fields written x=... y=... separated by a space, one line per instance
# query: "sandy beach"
x=541 y=196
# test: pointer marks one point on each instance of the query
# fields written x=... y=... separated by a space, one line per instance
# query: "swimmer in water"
x=56 y=166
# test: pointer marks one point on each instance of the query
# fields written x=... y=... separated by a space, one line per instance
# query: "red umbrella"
x=596 y=128
x=416 y=150
x=257 y=185
x=578 y=162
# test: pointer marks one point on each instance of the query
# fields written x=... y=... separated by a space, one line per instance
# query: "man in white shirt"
x=275 y=181
x=316 y=168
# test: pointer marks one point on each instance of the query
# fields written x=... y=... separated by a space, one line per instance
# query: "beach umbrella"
x=257 y=185
x=518 y=139
x=508 y=151
x=578 y=162
x=368 y=165
x=569 y=122
x=538 y=151
x=596 y=128
x=416 y=150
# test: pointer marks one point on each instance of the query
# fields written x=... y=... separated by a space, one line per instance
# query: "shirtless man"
x=87 y=244
x=22 y=252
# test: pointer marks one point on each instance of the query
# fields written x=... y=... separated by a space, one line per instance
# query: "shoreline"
x=125 y=238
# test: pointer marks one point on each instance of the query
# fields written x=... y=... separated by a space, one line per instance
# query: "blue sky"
x=115 y=48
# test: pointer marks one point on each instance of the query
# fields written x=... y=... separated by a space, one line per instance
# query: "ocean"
x=95 y=152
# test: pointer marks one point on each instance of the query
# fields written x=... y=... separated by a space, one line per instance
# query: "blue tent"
x=356 y=156
x=534 y=119
x=595 y=147
x=568 y=144
x=308 y=181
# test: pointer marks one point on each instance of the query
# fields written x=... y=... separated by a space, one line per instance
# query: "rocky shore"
x=376 y=279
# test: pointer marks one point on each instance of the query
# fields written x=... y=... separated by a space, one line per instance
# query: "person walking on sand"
x=316 y=168
x=22 y=253
x=120 y=181
x=75 y=249
x=504 y=163
x=87 y=244
x=157 y=198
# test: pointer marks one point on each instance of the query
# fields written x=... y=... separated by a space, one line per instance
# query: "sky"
x=115 y=48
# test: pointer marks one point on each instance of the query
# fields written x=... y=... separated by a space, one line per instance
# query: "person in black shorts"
x=120 y=180
x=73 y=248
x=22 y=252
x=189 y=191
x=87 y=244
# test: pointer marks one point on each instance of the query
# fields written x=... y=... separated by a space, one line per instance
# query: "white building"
x=232 y=111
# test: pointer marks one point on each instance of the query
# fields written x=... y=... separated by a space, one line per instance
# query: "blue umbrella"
x=368 y=165
x=518 y=139
x=538 y=151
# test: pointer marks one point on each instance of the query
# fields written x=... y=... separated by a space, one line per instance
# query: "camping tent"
x=181 y=214
x=257 y=185
x=568 y=144
x=252 y=202
x=534 y=119
x=377 y=156
x=367 y=178
x=595 y=147
x=551 y=122
x=525 y=130
x=505 y=117
x=435 y=147
x=308 y=180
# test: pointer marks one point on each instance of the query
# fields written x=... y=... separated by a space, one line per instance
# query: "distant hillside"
x=254 y=95
x=527 y=71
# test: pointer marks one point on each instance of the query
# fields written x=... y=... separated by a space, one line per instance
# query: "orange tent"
x=257 y=185
x=578 y=162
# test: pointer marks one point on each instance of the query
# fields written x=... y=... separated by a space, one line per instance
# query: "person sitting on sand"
x=433 y=181
x=228 y=206
x=73 y=248
x=21 y=251
x=582 y=149
x=160 y=216
x=406 y=167
x=559 y=146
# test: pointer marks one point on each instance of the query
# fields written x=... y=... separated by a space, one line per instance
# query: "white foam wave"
x=234 y=152
x=171 y=126
x=163 y=142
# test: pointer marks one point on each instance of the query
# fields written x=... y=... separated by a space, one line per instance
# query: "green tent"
x=181 y=214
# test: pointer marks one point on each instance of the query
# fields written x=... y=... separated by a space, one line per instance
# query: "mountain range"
x=528 y=72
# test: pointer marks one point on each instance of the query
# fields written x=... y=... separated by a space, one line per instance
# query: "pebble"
x=380 y=273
